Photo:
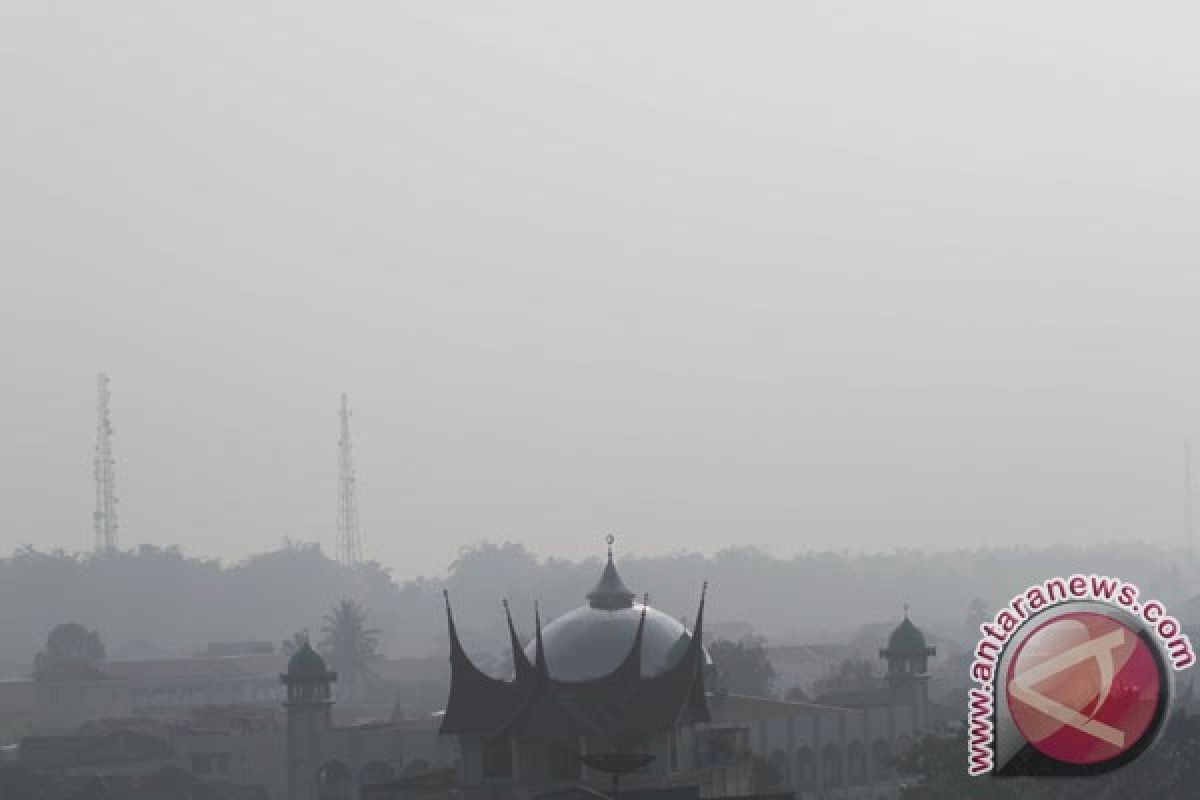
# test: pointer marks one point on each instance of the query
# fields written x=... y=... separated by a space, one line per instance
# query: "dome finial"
x=906 y=610
x=610 y=593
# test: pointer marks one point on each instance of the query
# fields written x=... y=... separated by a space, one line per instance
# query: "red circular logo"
x=1084 y=688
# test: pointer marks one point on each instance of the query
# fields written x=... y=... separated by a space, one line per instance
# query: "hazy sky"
x=803 y=276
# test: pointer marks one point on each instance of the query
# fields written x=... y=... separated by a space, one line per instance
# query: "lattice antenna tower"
x=1189 y=530
x=349 y=546
x=104 y=519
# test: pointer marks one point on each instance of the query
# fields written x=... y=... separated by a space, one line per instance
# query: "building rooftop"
x=197 y=669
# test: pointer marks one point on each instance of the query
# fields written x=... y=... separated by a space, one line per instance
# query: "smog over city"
x=549 y=400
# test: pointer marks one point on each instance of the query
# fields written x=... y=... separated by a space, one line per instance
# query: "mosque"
x=617 y=679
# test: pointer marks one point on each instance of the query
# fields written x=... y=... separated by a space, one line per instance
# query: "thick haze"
x=915 y=274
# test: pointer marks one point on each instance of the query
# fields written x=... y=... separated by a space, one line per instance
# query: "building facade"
x=324 y=761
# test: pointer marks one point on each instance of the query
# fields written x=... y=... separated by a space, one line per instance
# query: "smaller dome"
x=307 y=663
x=907 y=639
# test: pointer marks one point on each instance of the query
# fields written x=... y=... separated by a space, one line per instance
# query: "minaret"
x=104 y=519
x=309 y=718
x=349 y=548
x=907 y=655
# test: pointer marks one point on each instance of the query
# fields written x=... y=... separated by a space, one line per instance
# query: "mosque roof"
x=619 y=700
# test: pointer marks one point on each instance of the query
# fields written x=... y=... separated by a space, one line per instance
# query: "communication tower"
x=104 y=519
x=349 y=548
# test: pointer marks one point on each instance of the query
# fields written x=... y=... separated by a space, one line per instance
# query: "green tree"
x=742 y=667
x=976 y=616
x=350 y=646
x=852 y=675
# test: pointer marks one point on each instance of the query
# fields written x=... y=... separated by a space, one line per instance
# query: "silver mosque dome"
x=592 y=640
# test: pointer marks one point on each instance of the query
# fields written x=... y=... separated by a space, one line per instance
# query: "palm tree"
x=350 y=646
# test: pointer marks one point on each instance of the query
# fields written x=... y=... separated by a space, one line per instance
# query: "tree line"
x=158 y=601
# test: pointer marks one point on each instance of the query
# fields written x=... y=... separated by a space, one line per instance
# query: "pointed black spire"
x=540 y=651
x=610 y=592
x=632 y=663
x=522 y=669
x=477 y=700
x=698 y=631
x=456 y=648
x=693 y=658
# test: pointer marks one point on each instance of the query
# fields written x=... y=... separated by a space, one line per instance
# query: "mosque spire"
x=698 y=630
x=456 y=648
x=521 y=667
x=540 y=651
x=610 y=592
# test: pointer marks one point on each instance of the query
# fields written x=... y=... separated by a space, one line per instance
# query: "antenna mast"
x=349 y=548
x=1189 y=526
x=104 y=519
